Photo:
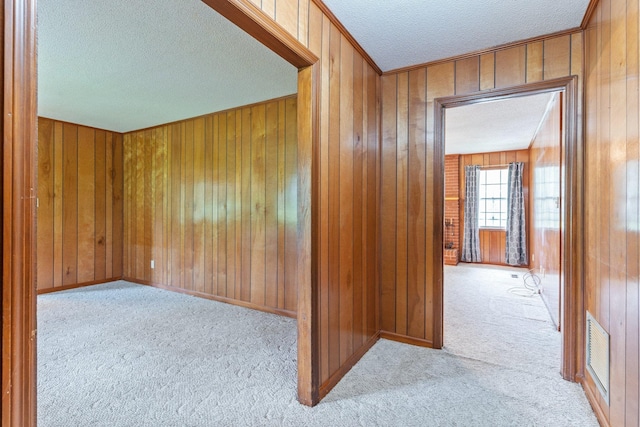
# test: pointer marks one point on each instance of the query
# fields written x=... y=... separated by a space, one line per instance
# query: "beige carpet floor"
x=121 y=354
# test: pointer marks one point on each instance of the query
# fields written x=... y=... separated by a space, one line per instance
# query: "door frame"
x=19 y=183
x=572 y=257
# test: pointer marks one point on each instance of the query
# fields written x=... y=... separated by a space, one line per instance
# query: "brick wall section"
x=452 y=207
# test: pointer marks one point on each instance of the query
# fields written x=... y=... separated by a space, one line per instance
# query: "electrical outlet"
x=153 y=264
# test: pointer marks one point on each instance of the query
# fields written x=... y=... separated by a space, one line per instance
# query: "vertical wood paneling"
x=213 y=185
x=544 y=236
x=467 y=75
x=46 y=198
x=511 y=66
x=333 y=210
x=198 y=205
x=231 y=205
x=148 y=212
x=557 y=57
x=357 y=201
x=100 y=255
x=321 y=44
x=271 y=202
x=347 y=178
x=632 y=321
x=303 y=20
x=505 y=67
x=402 y=160
x=245 y=288
x=258 y=236
x=534 y=62
x=611 y=197
x=487 y=71
x=291 y=206
x=287 y=16
x=58 y=182
x=388 y=202
x=70 y=204
x=80 y=207
x=416 y=245
x=346 y=200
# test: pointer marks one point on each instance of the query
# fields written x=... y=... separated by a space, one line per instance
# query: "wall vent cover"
x=598 y=355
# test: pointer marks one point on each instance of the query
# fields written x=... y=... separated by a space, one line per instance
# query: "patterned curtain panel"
x=471 y=238
x=516 y=247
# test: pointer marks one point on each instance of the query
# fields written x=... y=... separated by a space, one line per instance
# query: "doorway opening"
x=565 y=305
x=498 y=307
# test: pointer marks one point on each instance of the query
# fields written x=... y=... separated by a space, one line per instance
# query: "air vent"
x=598 y=355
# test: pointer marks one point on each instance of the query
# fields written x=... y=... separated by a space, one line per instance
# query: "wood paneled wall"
x=293 y=16
x=348 y=188
x=612 y=215
x=212 y=201
x=80 y=213
x=407 y=215
x=493 y=242
x=545 y=206
x=347 y=179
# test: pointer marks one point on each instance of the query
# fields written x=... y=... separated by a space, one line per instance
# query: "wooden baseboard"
x=286 y=313
x=351 y=361
x=405 y=339
x=77 y=285
x=593 y=401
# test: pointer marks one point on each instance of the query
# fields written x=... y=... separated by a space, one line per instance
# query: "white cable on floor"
x=531 y=283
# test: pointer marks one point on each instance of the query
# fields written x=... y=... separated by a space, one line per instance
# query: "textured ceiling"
x=503 y=125
x=129 y=64
x=398 y=34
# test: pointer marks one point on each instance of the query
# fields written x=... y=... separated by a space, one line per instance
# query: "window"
x=493 y=198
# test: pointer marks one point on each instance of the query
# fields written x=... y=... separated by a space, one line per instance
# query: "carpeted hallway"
x=127 y=355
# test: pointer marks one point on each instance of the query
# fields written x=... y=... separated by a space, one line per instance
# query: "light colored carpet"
x=129 y=355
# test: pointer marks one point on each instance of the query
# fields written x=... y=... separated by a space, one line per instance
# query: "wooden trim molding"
x=587 y=15
x=18 y=214
x=197 y=294
x=392 y=336
x=323 y=7
x=308 y=317
x=346 y=367
x=76 y=286
x=264 y=29
x=591 y=397
x=573 y=286
x=483 y=51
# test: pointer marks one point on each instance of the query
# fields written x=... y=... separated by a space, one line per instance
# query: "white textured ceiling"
x=486 y=127
x=130 y=64
x=401 y=33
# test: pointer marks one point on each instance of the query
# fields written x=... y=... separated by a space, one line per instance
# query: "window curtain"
x=471 y=238
x=516 y=245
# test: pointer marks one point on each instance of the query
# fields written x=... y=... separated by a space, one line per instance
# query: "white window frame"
x=501 y=184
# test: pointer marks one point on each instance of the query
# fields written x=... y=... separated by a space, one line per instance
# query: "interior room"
x=355 y=250
x=505 y=296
